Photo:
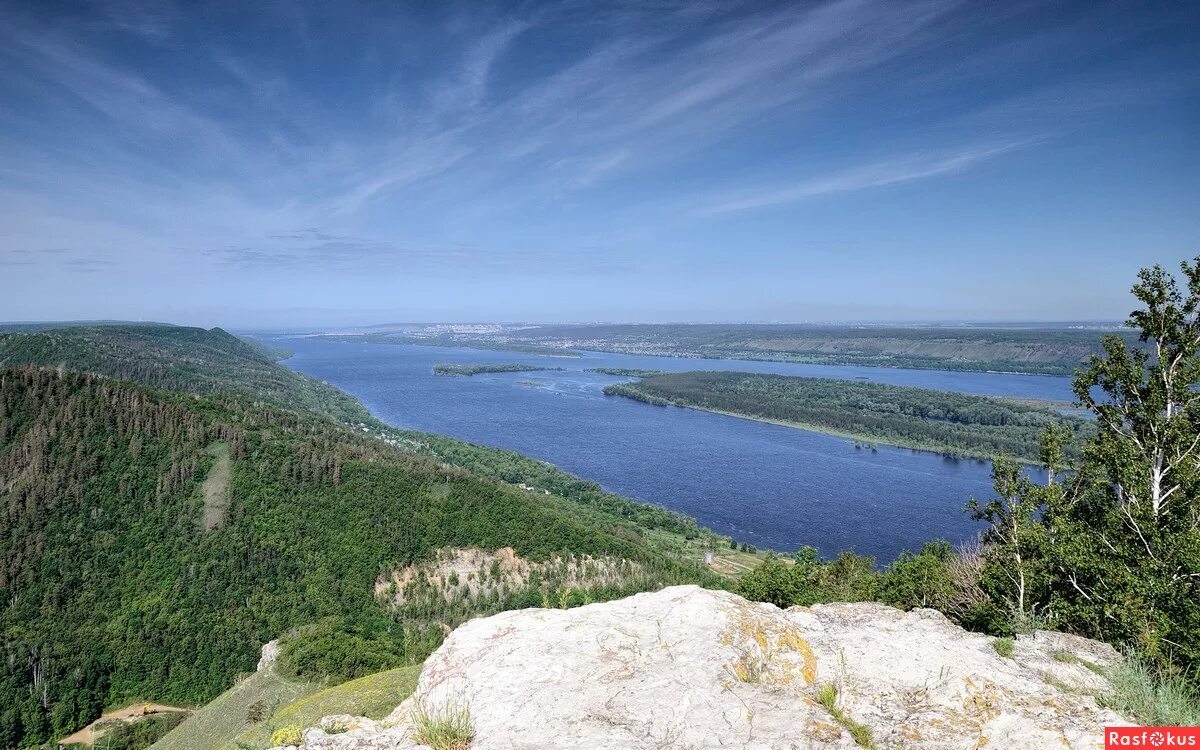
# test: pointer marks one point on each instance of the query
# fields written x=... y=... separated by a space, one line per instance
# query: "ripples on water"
x=768 y=485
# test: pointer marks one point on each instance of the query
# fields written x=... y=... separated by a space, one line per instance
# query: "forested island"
x=940 y=421
x=626 y=372
x=469 y=370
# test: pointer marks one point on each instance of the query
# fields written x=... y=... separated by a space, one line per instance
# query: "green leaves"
x=1123 y=531
x=921 y=579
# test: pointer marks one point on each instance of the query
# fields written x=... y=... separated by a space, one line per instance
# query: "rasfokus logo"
x=1151 y=737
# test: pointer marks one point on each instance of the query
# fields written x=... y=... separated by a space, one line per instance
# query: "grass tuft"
x=445 y=728
x=1150 y=697
x=1067 y=657
x=750 y=666
x=827 y=696
x=1004 y=647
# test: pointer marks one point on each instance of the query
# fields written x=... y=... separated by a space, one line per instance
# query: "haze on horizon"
x=355 y=163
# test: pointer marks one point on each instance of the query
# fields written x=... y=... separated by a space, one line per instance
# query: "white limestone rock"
x=269 y=654
x=691 y=668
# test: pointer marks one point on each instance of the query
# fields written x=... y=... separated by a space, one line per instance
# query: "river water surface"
x=768 y=485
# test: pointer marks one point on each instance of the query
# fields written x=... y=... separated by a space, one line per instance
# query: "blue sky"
x=277 y=163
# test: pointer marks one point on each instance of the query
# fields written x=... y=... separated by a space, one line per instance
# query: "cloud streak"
x=881 y=174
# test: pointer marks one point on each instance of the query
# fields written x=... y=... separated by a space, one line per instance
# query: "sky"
x=306 y=164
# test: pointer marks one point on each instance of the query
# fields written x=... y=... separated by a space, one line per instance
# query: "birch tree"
x=1014 y=539
x=1125 y=535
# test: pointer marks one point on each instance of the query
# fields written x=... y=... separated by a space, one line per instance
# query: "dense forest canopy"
x=913 y=417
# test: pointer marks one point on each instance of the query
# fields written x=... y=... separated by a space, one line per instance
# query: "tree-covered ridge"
x=224 y=370
x=469 y=370
x=1046 y=351
x=178 y=358
x=910 y=417
x=113 y=591
x=52 y=325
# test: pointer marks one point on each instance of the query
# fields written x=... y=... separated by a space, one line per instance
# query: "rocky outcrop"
x=270 y=653
x=690 y=668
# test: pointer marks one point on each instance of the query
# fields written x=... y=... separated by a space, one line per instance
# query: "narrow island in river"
x=626 y=372
x=468 y=370
x=923 y=419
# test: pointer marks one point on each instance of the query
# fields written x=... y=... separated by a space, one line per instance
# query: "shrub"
x=922 y=579
x=808 y=579
x=256 y=713
x=289 y=735
x=335 y=652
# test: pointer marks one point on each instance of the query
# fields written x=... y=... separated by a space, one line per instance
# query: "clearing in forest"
x=89 y=734
x=216 y=489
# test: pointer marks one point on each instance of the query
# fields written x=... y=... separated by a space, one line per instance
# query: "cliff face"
x=690 y=668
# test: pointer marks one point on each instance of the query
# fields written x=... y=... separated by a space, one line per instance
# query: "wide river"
x=768 y=485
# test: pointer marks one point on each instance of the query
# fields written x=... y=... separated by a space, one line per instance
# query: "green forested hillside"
x=177 y=358
x=911 y=417
x=113 y=591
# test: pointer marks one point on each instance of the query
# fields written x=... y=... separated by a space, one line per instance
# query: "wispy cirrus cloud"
x=639 y=94
x=880 y=174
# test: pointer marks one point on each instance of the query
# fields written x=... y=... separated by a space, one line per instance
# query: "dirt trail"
x=216 y=489
x=88 y=734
